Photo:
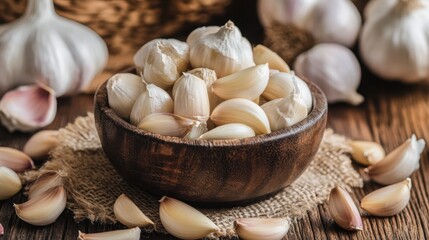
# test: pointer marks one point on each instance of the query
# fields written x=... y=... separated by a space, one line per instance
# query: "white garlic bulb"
x=225 y=51
x=161 y=61
x=199 y=33
x=334 y=69
x=336 y=21
x=395 y=39
x=44 y=47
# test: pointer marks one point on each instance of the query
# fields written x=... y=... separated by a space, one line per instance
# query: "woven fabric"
x=92 y=184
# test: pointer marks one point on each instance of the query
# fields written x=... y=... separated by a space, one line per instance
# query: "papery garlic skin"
x=285 y=112
x=334 y=69
x=129 y=214
x=123 y=90
x=261 y=228
x=161 y=61
x=343 y=210
x=394 y=42
x=15 y=159
x=10 y=184
x=225 y=51
x=126 y=234
x=229 y=131
x=44 y=47
x=41 y=143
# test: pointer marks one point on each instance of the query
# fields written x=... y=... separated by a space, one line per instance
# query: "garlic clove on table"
x=126 y=234
x=15 y=159
x=10 y=183
x=127 y=213
x=343 y=210
x=261 y=228
x=41 y=143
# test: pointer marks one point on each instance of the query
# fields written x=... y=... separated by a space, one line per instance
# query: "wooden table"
x=390 y=114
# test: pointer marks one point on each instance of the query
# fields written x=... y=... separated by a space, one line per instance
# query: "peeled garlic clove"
x=129 y=214
x=46 y=181
x=161 y=61
x=43 y=209
x=152 y=100
x=398 y=164
x=197 y=130
x=184 y=221
x=334 y=69
x=126 y=234
x=343 y=210
x=10 y=184
x=388 y=201
x=15 y=159
x=285 y=112
x=261 y=228
x=225 y=51
x=167 y=124
x=239 y=110
x=28 y=108
x=366 y=153
x=41 y=143
x=199 y=33
x=248 y=83
x=191 y=99
x=262 y=55
x=229 y=131
x=122 y=92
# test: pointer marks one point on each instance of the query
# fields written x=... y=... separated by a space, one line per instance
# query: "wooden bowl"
x=210 y=172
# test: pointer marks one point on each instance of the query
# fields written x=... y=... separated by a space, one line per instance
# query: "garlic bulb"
x=225 y=51
x=198 y=33
x=44 y=47
x=336 y=21
x=334 y=69
x=161 y=61
x=395 y=39
x=28 y=108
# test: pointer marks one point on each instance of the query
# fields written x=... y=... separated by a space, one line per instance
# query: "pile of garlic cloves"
x=214 y=86
x=393 y=170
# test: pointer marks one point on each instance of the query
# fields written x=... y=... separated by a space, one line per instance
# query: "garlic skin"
x=200 y=32
x=262 y=55
x=366 y=153
x=398 y=164
x=161 y=61
x=261 y=228
x=343 y=210
x=15 y=159
x=167 y=124
x=152 y=100
x=225 y=51
x=28 y=108
x=129 y=214
x=395 y=40
x=41 y=143
x=123 y=90
x=285 y=112
x=334 y=69
x=126 y=234
x=388 y=201
x=46 y=181
x=339 y=24
x=184 y=221
x=10 y=184
x=44 y=47
x=229 y=131
x=198 y=128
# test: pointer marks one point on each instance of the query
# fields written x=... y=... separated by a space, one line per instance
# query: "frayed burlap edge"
x=93 y=185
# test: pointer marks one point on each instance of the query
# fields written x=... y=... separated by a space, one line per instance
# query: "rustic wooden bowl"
x=210 y=172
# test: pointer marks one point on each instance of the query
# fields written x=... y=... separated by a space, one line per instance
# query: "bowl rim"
x=319 y=108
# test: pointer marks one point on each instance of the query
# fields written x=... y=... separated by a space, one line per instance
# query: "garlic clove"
x=304 y=92
x=167 y=124
x=262 y=55
x=197 y=130
x=388 y=201
x=46 y=181
x=1 y=230
x=398 y=164
x=184 y=221
x=28 y=108
x=248 y=83
x=191 y=99
x=152 y=100
x=366 y=153
x=123 y=90
x=41 y=143
x=15 y=159
x=129 y=214
x=161 y=61
x=10 y=184
x=343 y=210
x=239 y=110
x=280 y=85
x=200 y=32
x=229 y=131
x=285 y=112
x=126 y=234
x=261 y=228
x=43 y=209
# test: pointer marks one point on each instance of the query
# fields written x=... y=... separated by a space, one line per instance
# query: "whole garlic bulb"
x=395 y=39
x=334 y=69
x=44 y=47
x=336 y=21
x=225 y=51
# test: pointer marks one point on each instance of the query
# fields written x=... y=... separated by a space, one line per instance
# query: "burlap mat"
x=93 y=185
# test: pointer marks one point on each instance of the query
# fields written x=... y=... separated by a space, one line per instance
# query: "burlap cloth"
x=93 y=185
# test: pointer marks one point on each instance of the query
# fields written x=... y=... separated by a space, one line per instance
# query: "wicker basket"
x=126 y=25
